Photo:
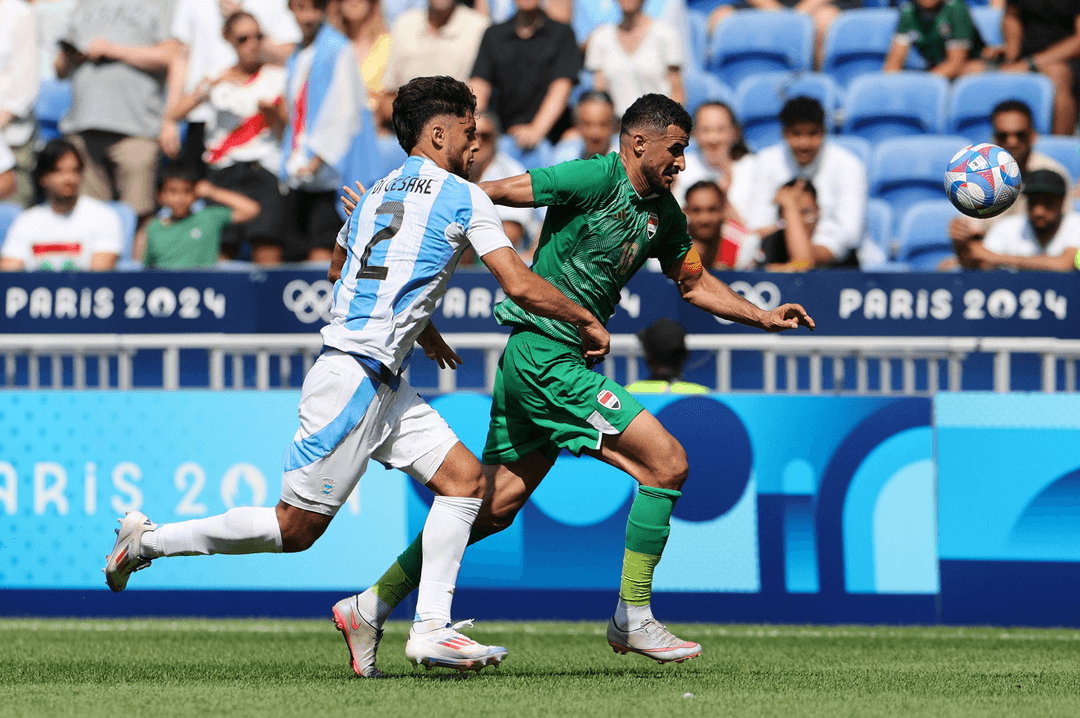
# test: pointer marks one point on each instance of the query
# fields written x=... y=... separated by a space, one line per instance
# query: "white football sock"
x=374 y=610
x=629 y=618
x=446 y=533
x=248 y=529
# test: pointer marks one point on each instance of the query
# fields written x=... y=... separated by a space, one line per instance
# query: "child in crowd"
x=943 y=33
x=789 y=248
x=190 y=237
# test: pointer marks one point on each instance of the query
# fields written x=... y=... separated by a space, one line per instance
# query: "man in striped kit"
x=390 y=266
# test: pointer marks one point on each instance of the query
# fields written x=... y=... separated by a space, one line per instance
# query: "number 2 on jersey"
x=396 y=211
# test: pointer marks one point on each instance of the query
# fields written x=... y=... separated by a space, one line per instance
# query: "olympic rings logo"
x=309 y=302
x=764 y=295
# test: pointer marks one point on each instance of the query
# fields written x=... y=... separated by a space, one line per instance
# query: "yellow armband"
x=691 y=266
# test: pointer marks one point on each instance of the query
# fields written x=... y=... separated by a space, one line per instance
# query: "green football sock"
x=403 y=577
x=647 y=532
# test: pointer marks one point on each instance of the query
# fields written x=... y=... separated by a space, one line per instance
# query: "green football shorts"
x=545 y=399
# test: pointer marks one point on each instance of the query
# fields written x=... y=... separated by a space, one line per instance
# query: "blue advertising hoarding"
x=843 y=303
x=797 y=509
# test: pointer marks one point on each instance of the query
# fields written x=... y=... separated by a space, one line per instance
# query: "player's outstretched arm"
x=535 y=294
x=510 y=192
x=705 y=291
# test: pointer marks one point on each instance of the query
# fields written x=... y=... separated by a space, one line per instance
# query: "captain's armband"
x=691 y=266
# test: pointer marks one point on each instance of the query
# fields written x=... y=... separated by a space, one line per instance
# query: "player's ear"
x=437 y=131
x=640 y=142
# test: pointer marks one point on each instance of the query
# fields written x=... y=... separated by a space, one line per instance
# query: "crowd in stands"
x=192 y=133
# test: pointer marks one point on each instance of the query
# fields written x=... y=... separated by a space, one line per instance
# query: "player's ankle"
x=628 y=617
x=432 y=624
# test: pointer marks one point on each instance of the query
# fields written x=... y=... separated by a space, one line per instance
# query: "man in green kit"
x=607 y=216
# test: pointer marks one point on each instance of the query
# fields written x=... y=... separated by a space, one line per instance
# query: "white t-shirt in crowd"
x=234 y=110
x=697 y=170
x=646 y=70
x=45 y=240
x=198 y=24
x=842 y=193
x=1015 y=237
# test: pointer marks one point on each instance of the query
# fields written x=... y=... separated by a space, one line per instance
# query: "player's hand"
x=786 y=316
x=350 y=199
x=436 y=348
x=596 y=342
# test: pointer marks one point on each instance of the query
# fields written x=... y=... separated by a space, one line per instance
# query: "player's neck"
x=636 y=176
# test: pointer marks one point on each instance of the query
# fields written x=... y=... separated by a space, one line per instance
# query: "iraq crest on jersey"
x=652 y=225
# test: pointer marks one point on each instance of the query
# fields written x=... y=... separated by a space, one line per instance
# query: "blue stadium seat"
x=701 y=87
x=759 y=99
x=924 y=234
x=879 y=225
x=858 y=42
x=886 y=105
x=129 y=221
x=53 y=102
x=1065 y=150
x=539 y=156
x=754 y=41
x=906 y=170
x=855 y=145
x=974 y=97
x=988 y=22
x=8 y=212
x=699 y=39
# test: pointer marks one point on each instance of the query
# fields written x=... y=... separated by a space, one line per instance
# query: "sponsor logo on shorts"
x=327 y=486
x=653 y=225
x=606 y=398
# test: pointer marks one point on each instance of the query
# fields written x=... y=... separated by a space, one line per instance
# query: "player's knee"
x=674 y=468
x=501 y=518
x=298 y=534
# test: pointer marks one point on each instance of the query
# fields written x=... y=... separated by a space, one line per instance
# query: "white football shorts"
x=347 y=417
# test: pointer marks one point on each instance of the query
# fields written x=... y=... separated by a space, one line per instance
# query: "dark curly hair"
x=656 y=112
x=421 y=99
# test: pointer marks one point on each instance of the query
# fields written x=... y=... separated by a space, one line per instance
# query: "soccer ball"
x=982 y=180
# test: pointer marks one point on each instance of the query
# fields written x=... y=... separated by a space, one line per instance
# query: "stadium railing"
x=913 y=354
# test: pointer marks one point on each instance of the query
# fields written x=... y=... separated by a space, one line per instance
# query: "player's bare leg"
x=650 y=454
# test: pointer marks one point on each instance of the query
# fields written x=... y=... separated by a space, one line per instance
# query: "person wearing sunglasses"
x=243 y=135
x=1014 y=131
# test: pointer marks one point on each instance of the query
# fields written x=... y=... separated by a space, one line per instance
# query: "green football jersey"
x=597 y=234
x=934 y=32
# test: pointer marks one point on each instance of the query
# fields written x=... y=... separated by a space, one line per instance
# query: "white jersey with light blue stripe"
x=403 y=243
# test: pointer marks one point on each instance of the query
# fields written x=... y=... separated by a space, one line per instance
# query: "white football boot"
x=446 y=648
x=125 y=559
x=652 y=640
x=362 y=637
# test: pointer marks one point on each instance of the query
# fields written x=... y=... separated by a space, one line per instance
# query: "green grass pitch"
x=161 y=668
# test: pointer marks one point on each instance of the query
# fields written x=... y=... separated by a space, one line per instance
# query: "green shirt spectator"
x=943 y=33
x=188 y=243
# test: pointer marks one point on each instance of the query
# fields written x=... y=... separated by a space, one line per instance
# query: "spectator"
x=1046 y=239
x=68 y=231
x=531 y=64
x=584 y=16
x=721 y=156
x=7 y=170
x=1014 y=130
x=243 y=132
x=50 y=24
x=838 y=176
x=362 y=22
x=190 y=236
x=636 y=57
x=325 y=102
x=203 y=54
x=19 y=83
x=822 y=12
x=116 y=53
x=442 y=39
x=789 y=248
x=521 y=224
x=721 y=243
x=664 y=345
x=594 y=123
x=943 y=32
x=1044 y=36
